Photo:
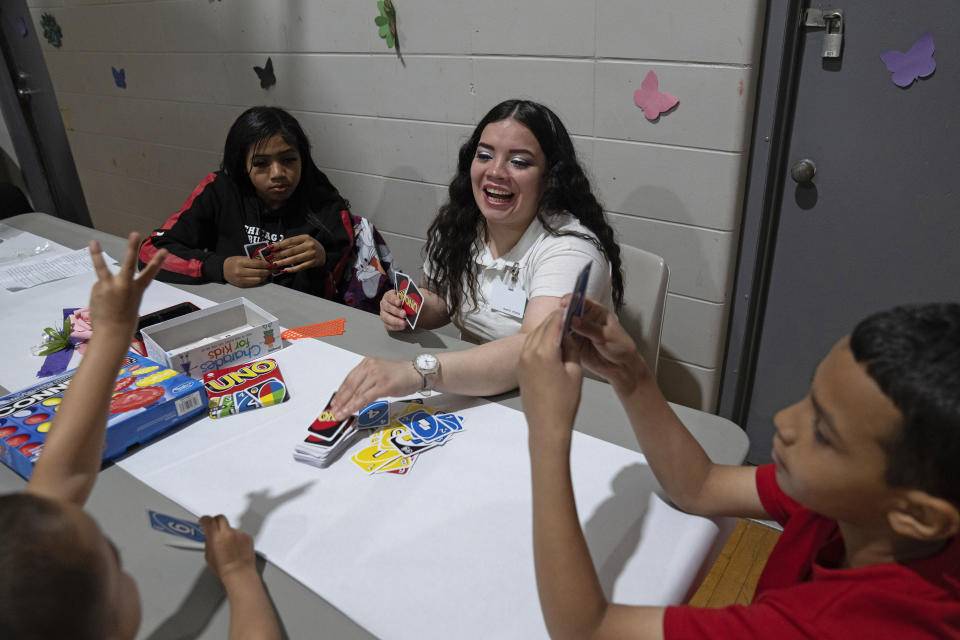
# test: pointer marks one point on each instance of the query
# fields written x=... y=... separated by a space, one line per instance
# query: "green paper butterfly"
x=51 y=30
x=387 y=21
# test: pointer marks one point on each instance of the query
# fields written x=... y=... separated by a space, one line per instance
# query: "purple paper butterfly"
x=653 y=101
x=916 y=63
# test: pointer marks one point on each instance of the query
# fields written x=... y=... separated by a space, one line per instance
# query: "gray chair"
x=644 y=295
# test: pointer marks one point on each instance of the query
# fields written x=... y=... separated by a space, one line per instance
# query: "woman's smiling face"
x=507 y=174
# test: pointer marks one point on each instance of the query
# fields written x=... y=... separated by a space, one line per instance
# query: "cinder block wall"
x=387 y=135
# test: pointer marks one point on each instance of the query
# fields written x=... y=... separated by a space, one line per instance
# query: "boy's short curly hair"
x=912 y=352
x=49 y=588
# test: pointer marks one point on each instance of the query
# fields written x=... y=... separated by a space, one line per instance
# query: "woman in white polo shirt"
x=520 y=223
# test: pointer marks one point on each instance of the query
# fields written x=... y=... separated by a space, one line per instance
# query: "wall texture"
x=387 y=135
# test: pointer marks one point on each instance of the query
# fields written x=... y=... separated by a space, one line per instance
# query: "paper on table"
x=451 y=540
x=40 y=269
x=30 y=310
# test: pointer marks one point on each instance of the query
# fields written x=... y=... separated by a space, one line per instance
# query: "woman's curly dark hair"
x=453 y=233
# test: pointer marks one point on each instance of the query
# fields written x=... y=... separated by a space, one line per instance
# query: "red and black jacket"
x=217 y=220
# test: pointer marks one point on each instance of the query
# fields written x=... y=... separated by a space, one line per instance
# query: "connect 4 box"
x=148 y=399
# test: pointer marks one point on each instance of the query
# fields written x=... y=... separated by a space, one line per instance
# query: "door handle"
x=803 y=171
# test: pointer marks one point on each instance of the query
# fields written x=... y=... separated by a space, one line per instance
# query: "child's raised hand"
x=608 y=350
x=228 y=550
x=550 y=378
x=115 y=298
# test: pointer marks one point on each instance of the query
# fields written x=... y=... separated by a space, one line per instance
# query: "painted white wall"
x=387 y=135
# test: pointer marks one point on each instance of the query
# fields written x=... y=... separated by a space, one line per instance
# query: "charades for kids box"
x=214 y=338
x=148 y=399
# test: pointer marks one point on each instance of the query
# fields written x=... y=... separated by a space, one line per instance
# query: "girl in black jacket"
x=268 y=189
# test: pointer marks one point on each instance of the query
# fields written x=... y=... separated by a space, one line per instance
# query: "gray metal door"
x=879 y=224
x=33 y=118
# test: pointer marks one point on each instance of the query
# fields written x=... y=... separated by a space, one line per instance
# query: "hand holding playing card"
x=372 y=379
x=550 y=377
x=411 y=300
x=241 y=271
x=392 y=315
x=607 y=348
x=298 y=253
x=228 y=550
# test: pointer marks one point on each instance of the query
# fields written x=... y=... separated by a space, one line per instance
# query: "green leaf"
x=390 y=41
x=380 y=5
x=380 y=20
x=384 y=31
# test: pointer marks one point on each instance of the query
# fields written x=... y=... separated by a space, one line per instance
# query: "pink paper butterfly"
x=649 y=98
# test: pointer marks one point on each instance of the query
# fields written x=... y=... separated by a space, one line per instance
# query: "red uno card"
x=326 y=430
x=400 y=283
x=410 y=298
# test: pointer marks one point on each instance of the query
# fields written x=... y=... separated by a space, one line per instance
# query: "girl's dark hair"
x=453 y=233
x=254 y=127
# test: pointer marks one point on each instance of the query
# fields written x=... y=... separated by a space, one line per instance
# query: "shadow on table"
x=614 y=529
x=207 y=594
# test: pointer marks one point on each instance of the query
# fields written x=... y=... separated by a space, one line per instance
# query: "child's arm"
x=693 y=482
x=230 y=557
x=572 y=600
x=70 y=460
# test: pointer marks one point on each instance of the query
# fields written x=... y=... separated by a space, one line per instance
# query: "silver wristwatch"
x=428 y=367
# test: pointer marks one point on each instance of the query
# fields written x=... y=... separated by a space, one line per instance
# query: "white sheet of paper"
x=27 y=312
x=16 y=244
x=450 y=541
x=35 y=270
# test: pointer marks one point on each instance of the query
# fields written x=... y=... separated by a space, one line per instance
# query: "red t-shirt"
x=801 y=593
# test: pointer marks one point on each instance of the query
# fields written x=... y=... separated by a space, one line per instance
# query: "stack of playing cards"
x=326 y=438
x=263 y=251
x=410 y=298
x=411 y=430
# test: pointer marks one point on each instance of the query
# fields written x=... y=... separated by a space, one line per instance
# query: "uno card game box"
x=148 y=400
x=245 y=387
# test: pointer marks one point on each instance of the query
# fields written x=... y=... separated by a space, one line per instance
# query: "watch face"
x=427 y=362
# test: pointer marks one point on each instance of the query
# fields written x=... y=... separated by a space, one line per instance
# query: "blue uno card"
x=575 y=307
x=175 y=526
x=374 y=415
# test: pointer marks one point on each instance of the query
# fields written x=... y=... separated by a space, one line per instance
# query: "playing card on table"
x=575 y=306
x=189 y=534
x=414 y=428
x=374 y=415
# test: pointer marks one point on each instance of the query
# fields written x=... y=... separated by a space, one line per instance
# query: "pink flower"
x=80 y=328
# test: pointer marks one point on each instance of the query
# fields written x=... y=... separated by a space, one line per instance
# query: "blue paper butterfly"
x=119 y=77
x=916 y=63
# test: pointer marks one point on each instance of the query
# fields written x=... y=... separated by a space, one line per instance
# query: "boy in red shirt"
x=865 y=481
x=60 y=576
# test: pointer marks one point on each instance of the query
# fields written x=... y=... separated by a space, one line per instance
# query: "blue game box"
x=148 y=400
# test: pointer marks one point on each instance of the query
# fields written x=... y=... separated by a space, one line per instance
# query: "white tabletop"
x=181 y=598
